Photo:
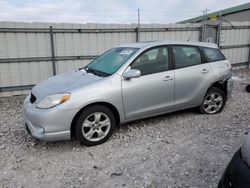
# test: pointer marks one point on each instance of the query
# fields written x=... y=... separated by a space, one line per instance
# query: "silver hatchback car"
x=128 y=82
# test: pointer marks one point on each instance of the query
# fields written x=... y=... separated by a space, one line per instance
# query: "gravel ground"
x=183 y=149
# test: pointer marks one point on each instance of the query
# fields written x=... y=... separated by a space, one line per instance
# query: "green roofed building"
x=234 y=14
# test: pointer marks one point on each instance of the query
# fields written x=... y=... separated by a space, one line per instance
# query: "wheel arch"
x=106 y=104
x=222 y=85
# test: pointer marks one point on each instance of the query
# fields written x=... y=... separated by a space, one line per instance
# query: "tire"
x=248 y=88
x=94 y=125
x=213 y=102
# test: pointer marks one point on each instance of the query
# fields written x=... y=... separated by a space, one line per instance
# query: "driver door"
x=153 y=92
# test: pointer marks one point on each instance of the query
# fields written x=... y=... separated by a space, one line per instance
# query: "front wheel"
x=213 y=102
x=95 y=125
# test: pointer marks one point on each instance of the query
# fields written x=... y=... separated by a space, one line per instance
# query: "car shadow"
x=156 y=119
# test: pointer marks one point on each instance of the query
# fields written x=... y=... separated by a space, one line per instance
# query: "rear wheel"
x=213 y=102
x=95 y=125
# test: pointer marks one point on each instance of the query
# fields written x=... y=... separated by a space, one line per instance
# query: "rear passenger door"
x=191 y=75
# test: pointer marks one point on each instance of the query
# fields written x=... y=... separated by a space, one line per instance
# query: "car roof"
x=158 y=43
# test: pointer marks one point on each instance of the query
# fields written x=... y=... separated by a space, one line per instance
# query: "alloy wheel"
x=213 y=103
x=96 y=126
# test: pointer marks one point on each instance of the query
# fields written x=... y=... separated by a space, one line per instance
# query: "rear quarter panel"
x=220 y=72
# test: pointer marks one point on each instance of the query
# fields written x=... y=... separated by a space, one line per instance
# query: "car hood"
x=245 y=149
x=65 y=82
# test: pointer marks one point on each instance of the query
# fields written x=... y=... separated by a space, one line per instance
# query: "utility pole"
x=204 y=24
x=138 y=25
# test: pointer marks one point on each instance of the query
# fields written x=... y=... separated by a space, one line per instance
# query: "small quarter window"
x=185 y=56
x=213 y=54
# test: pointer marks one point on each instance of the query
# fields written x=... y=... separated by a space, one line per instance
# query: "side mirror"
x=132 y=73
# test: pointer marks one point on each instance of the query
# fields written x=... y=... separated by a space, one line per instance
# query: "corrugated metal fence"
x=31 y=52
x=235 y=42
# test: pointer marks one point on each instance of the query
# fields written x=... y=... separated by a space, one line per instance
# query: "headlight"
x=245 y=149
x=53 y=100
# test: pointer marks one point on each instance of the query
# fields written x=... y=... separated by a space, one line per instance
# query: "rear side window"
x=213 y=54
x=185 y=56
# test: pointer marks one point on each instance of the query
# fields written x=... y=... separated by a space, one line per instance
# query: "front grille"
x=32 y=98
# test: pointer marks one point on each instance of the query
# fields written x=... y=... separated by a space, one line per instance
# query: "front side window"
x=185 y=56
x=111 y=61
x=213 y=54
x=152 y=61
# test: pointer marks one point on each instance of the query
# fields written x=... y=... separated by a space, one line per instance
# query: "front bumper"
x=237 y=173
x=47 y=124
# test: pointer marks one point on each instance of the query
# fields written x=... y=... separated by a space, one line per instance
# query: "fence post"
x=249 y=57
x=137 y=32
x=248 y=66
x=201 y=34
x=218 y=31
x=52 y=50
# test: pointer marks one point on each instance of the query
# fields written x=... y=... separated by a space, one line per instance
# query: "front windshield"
x=112 y=60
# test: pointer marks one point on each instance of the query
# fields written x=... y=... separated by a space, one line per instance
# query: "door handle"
x=204 y=71
x=167 y=78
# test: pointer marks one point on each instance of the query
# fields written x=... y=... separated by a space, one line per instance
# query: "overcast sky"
x=108 y=11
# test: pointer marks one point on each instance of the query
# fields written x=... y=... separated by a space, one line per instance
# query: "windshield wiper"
x=88 y=70
x=96 y=72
